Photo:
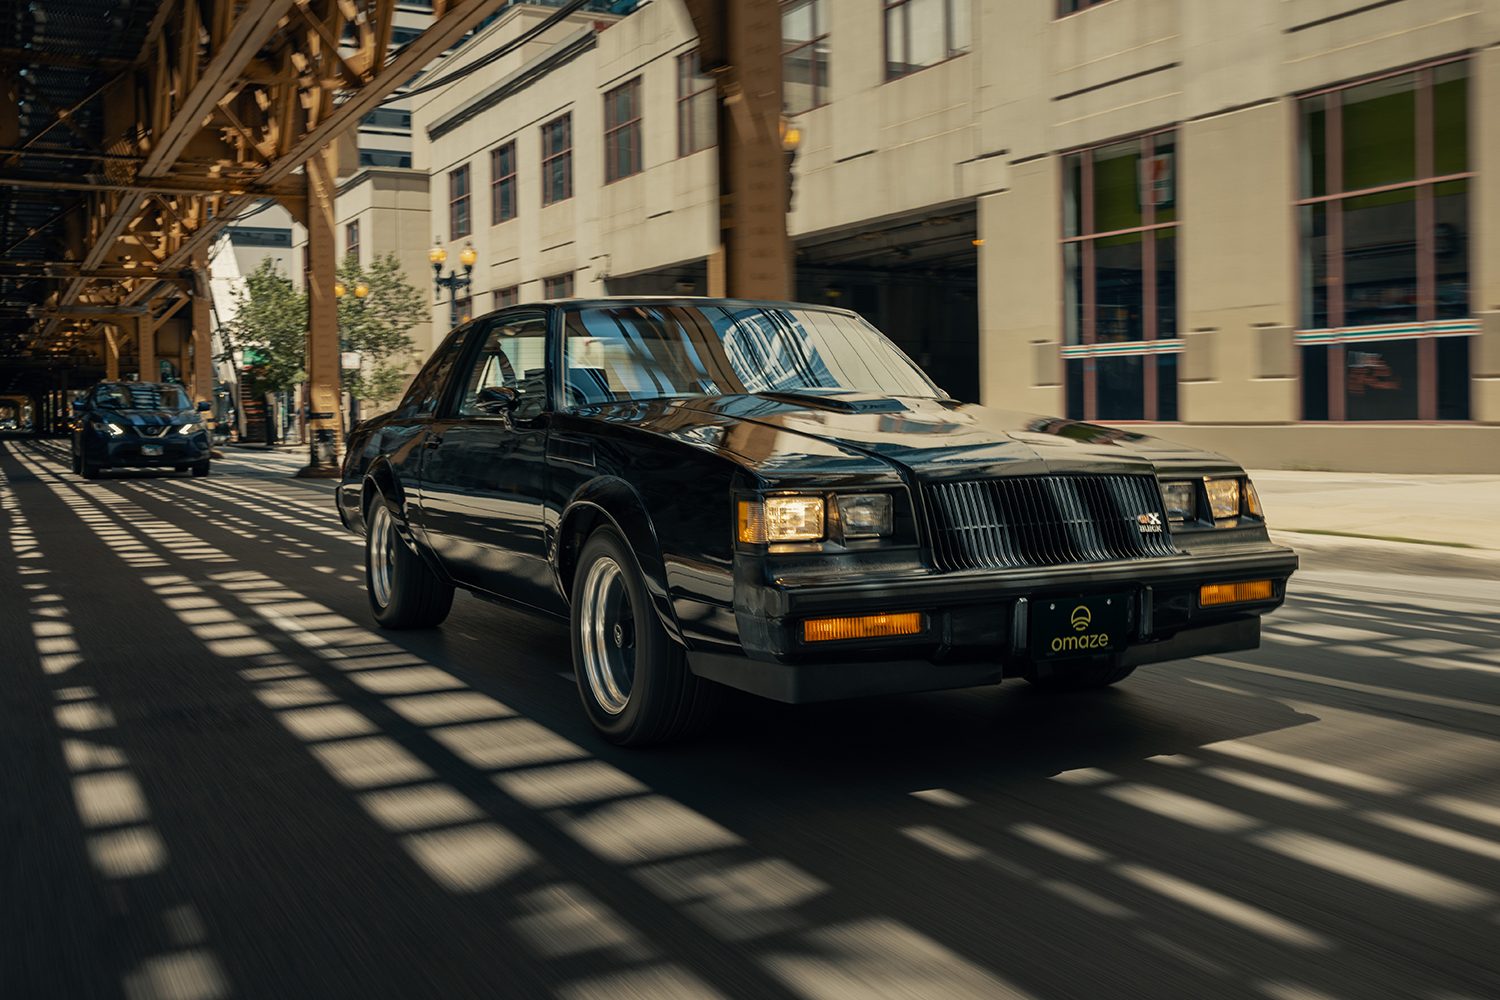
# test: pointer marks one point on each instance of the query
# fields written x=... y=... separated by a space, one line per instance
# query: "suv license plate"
x=151 y=450
x=1078 y=626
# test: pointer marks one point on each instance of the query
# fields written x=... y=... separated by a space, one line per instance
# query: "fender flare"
x=381 y=485
x=612 y=501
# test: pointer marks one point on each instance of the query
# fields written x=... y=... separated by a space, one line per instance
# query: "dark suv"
x=139 y=424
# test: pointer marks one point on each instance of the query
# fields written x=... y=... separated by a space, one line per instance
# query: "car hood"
x=792 y=433
x=147 y=418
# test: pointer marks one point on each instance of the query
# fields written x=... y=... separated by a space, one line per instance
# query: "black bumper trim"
x=807 y=682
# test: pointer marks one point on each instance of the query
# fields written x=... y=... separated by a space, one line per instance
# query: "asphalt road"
x=221 y=780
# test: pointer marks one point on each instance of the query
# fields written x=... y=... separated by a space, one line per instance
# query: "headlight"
x=1223 y=497
x=1181 y=501
x=866 y=515
x=115 y=430
x=189 y=429
x=781 y=519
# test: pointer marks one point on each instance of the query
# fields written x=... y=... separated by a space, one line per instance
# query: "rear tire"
x=632 y=676
x=403 y=592
x=201 y=469
x=77 y=466
x=1086 y=676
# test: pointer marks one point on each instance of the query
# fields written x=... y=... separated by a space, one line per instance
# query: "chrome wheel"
x=607 y=635
x=382 y=544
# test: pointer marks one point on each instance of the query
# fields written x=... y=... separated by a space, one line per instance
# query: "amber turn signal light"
x=1233 y=593
x=863 y=627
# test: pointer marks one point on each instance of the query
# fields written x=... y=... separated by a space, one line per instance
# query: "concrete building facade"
x=1257 y=226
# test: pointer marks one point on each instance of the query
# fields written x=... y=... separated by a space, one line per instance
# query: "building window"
x=1120 y=221
x=804 y=54
x=1073 y=6
x=557 y=160
x=559 y=286
x=622 y=131
x=697 y=106
x=922 y=33
x=507 y=297
x=503 y=184
x=1384 y=226
x=351 y=240
x=460 y=223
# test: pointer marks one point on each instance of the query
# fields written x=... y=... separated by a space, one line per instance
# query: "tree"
x=270 y=321
x=376 y=325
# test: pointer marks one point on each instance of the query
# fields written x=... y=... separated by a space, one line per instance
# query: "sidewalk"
x=1431 y=524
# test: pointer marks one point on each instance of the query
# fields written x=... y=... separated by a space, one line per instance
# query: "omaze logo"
x=1081 y=619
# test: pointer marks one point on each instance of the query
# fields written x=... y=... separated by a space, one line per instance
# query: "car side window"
x=513 y=355
x=427 y=388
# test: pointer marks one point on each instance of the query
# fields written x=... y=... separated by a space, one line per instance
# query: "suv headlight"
x=115 y=430
x=189 y=429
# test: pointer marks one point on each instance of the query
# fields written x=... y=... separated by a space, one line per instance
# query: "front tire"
x=201 y=469
x=403 y=592
x=88 y=469
x=632 y=676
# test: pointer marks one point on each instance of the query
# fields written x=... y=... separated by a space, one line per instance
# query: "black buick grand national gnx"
x=772 y=497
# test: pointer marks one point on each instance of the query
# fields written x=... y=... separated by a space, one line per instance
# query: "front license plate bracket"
x=151 y=450
x=1090 y=625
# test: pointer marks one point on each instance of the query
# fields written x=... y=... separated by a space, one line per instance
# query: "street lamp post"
x=360 y=291
x=454 y=281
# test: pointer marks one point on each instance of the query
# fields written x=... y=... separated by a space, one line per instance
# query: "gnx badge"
x=1150 y=524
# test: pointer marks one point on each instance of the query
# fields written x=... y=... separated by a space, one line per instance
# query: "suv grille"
x=153 y=430
x=1044 y=521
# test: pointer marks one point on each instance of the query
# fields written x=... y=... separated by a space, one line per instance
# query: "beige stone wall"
x=1237 y=254
x=392 y=207
x=1020 y=304
x=1351 y=447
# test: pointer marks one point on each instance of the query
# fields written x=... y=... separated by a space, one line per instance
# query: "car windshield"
x=649 y=352
x=143 y=396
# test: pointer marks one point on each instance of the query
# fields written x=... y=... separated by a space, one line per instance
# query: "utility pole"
x=739 y=43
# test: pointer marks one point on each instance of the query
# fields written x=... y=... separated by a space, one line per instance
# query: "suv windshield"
x=647 y=352
x=143 y=396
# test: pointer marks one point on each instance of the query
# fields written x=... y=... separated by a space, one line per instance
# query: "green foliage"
x=376 y=326
x=271 y=319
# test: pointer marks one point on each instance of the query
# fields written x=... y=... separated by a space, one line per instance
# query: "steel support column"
x=111 y=353
x=740 y=43
x=145 y=348
x=202 y=340
x=322 y=317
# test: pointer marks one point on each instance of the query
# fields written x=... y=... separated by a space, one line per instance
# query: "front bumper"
x=977 y=624
x=126 y=451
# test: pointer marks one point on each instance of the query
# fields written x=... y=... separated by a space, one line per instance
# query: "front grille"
x=1044 y=521
x=155 y=431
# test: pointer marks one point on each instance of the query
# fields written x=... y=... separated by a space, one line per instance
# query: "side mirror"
x=204 y=406
x=497 y=399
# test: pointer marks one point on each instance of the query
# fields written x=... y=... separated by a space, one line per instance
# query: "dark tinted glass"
x=1453 y=378
x=1450 y=248
x=143 y=396
x=1075 y=388
x=425 y=390
x=1314 y=146
x=1315 y=383
x=1121 y=387
x=1450 y=118
x=1119 y=289
x=648 y=352
x=1166 y=387
x=1380 y=380
x=1117 y=201
x=1314 y=222
x=1380 y=132
x=1380 y=258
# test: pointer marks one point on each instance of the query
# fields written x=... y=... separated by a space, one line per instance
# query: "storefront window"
x=1384 y=225
x=1120 y=279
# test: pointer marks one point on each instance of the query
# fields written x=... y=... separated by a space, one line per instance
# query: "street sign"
x=320 y=416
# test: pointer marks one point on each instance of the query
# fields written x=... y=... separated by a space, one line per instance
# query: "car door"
x=483 y=465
